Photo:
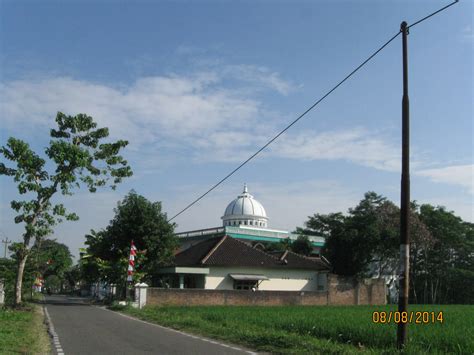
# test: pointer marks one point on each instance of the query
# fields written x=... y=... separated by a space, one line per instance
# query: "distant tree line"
x=364 y=242
x=301 y=245
x=49 y=264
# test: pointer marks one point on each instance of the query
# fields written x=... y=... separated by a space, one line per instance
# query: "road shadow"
x=64 y=300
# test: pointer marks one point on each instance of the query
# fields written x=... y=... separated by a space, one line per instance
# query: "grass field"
x=23 y=331
x=308 y=329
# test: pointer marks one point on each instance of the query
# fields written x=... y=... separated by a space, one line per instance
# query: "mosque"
x=235 y=256
x=245 y=218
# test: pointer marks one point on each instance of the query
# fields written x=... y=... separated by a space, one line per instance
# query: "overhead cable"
x=305 y=112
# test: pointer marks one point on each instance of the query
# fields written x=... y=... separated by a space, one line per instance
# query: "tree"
x=7 y=274
x=445 y=267
x=365 y=241
x=302 y=245
x=49 y=257
x=141 y=220
x=76 y=157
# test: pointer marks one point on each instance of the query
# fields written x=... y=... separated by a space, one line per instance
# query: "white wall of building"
x=279 y=279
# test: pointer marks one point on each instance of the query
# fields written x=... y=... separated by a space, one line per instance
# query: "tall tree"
x=142 y=221
x=445 y=270
x=364 y=242
x=355 y=242
x=76 y=157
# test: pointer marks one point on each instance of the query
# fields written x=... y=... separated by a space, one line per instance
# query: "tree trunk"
x=19 y=277
x=415 y=296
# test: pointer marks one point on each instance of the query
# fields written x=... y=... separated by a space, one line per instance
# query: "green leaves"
x=365 y=242
x=29 y=166
x=141 y=220
x=78 y=157
x=366 y=236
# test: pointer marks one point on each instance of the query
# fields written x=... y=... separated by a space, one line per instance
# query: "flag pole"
x=130 y=270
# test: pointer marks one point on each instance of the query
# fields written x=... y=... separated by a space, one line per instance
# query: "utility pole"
x=405 y=199
x=6 y=242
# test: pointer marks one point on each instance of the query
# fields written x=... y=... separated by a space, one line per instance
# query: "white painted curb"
x=52 y=332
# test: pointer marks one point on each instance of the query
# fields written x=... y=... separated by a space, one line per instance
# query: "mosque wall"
x=340 y=291
x=279 y=280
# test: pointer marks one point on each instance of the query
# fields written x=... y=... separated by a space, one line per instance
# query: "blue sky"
x=196 y=87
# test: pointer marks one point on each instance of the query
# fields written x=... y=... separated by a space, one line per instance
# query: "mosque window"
x=245 y=284
x=245 y=222
x=251 y=223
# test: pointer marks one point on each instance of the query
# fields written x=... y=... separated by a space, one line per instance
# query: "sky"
x=197 y=87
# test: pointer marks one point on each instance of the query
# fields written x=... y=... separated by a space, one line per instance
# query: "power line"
x=305 y=112
x=287 y=127
x=434 y=13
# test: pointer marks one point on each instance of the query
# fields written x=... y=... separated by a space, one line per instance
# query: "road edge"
x=56 y=345
x=208 y=340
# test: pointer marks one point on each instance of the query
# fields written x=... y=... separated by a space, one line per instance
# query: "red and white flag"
x=131 y=262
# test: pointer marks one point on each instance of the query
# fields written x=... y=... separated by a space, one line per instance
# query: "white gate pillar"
x=140 y=294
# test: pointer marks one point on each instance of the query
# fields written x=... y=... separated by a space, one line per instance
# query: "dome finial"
x=245 y=188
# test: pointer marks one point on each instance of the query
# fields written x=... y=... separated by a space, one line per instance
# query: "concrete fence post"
x=140 y=294
x=112 y=290
x=2 y=292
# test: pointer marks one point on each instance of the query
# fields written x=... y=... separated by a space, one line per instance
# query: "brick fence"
x=341 y=291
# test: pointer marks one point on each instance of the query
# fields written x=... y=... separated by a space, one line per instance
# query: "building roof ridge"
x=260 y=251
x=218 y=244
x=316 y=258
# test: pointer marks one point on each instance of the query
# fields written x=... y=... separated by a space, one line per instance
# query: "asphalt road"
x=85 y=329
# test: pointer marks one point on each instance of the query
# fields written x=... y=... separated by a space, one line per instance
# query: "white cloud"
x=152 y=107
x=460 y=175
x=467 y=34
x=356 y=145
x=172 y=106
x=462 y=207
x=258 y=76
x=198 y=116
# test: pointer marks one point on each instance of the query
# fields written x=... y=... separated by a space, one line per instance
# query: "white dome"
x=245 y=210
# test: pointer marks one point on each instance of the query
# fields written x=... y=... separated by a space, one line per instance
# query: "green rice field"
x=321 y=329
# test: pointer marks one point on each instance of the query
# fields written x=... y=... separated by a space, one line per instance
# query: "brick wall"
x=193 y=297
x=341 y=291
x=347 y=291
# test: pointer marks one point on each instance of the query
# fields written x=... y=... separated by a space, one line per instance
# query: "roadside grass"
x=34 y=297
x=318 y=329
x=23 y=331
